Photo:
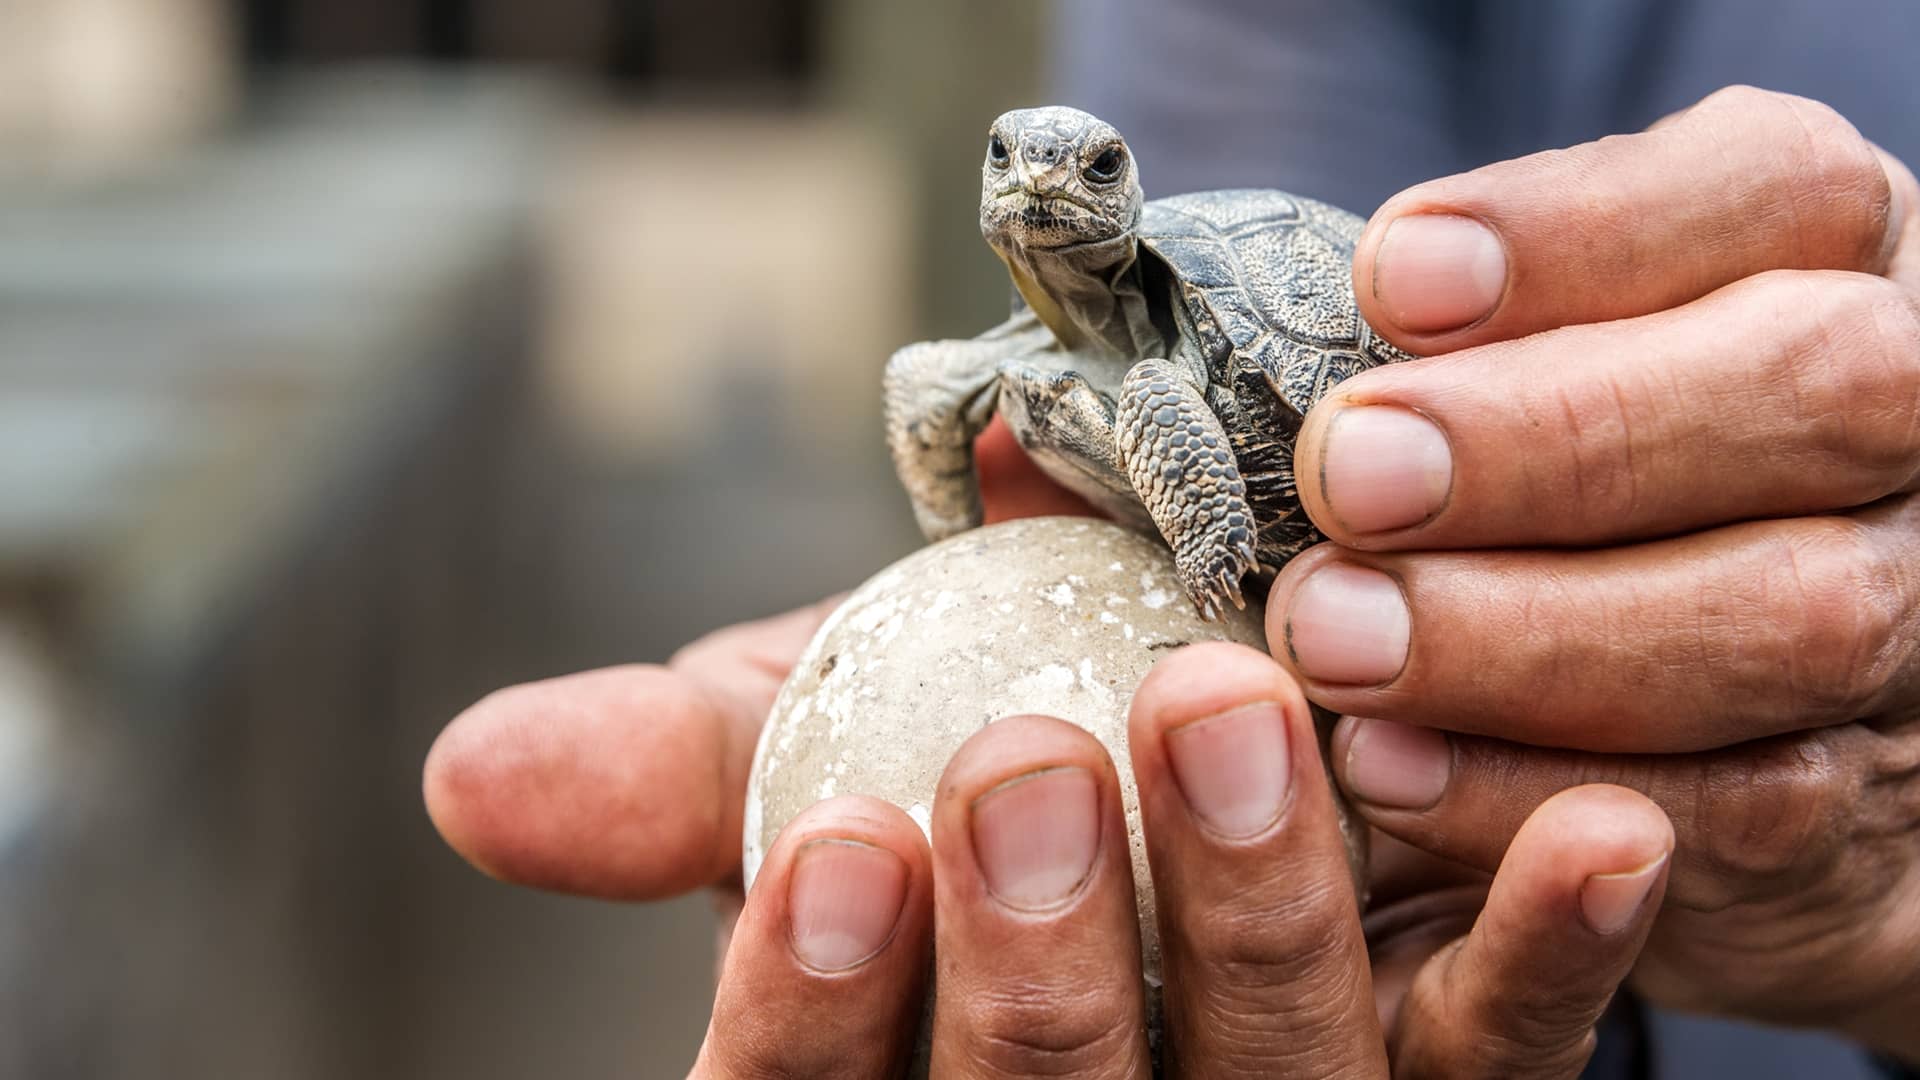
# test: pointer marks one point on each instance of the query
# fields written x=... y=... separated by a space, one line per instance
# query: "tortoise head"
x=1054 y=178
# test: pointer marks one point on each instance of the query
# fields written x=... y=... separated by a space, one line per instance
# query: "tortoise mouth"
x=1044 y=198
x=1048 y=221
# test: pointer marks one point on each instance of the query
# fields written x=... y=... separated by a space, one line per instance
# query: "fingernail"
x=1439 y=272
x=1232 y=767
x=844 y=899
x=1348 y=625
x=1384 y=468
x=1035 y=836
x=1608 y=902
x=1399 y=766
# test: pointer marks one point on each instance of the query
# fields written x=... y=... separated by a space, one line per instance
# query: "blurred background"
x=358 y=357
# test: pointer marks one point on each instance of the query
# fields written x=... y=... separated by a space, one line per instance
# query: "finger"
x=1903 y=232
x=1748 y=180
x=626 y=783
x=1787 y=393
x=828 y=962
x=1416 y=903
x=1755 y=821
x=1036 y=928
x=1265 y=963
x=1012 y=486
x=1687 y=644
x=1564 y=922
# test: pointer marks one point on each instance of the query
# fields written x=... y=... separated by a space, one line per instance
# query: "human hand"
x=1028 y=895
x=1654 y=509
x=629 y=783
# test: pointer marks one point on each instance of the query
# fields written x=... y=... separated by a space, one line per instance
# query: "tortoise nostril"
x=1043 y=152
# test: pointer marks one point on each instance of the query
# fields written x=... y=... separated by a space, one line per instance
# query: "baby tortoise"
x=1160 y=357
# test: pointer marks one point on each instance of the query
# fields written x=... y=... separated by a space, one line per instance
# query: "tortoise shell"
x=1265 y=280
x=1268 y=276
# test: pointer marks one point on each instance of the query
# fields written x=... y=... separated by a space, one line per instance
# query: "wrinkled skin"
x=1673 y=544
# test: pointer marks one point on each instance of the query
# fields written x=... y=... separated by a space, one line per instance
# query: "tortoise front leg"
x=939 y=396
x=1066 y=427
x=1178 y=457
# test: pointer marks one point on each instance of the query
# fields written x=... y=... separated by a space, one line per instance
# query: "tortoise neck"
x=1089 y=295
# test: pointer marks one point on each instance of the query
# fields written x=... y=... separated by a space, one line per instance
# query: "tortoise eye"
x=996 y=152
x=1106 y=168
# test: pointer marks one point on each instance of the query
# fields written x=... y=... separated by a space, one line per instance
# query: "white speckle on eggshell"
x=944 y=602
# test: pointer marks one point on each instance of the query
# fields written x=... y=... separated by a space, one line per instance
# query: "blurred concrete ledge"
x=193 y=359
x=251 y=405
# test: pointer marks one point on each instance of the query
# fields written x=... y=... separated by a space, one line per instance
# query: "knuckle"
x=1841 y=630
x=1893 y=770
x=1277 y=972
x=1606 y=421
x=1836 y=172
x=1534 y=1020
x=1051 y=1027
x=1819 y=129
x=1477 y=1030
x=1739 y=97
x=1532 y=1036
x=1858 y=400
x=1280 y=944
x=713 y=648
x=757 y=1052
x=1841 y=175
x=1767 y=813
x=1832 y=138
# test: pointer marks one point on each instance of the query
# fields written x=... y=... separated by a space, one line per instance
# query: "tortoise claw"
x=1214 y=581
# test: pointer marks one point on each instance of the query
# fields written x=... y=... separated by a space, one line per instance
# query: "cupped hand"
x=1653 y=510
x=629 y=783
x=1027 y=894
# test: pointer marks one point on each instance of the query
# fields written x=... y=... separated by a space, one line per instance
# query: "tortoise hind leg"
x=1178 y=456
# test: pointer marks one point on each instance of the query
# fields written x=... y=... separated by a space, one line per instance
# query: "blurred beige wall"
x=96 y=85
x=929 y=78
x=690 y=255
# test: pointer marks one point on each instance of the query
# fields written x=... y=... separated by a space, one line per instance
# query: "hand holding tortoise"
x=1754 y=675
x=1651 y=519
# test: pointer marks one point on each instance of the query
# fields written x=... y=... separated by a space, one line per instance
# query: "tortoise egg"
x=1057 y=616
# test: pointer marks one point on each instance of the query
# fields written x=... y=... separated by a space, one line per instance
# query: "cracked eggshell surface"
x=1057 y=616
